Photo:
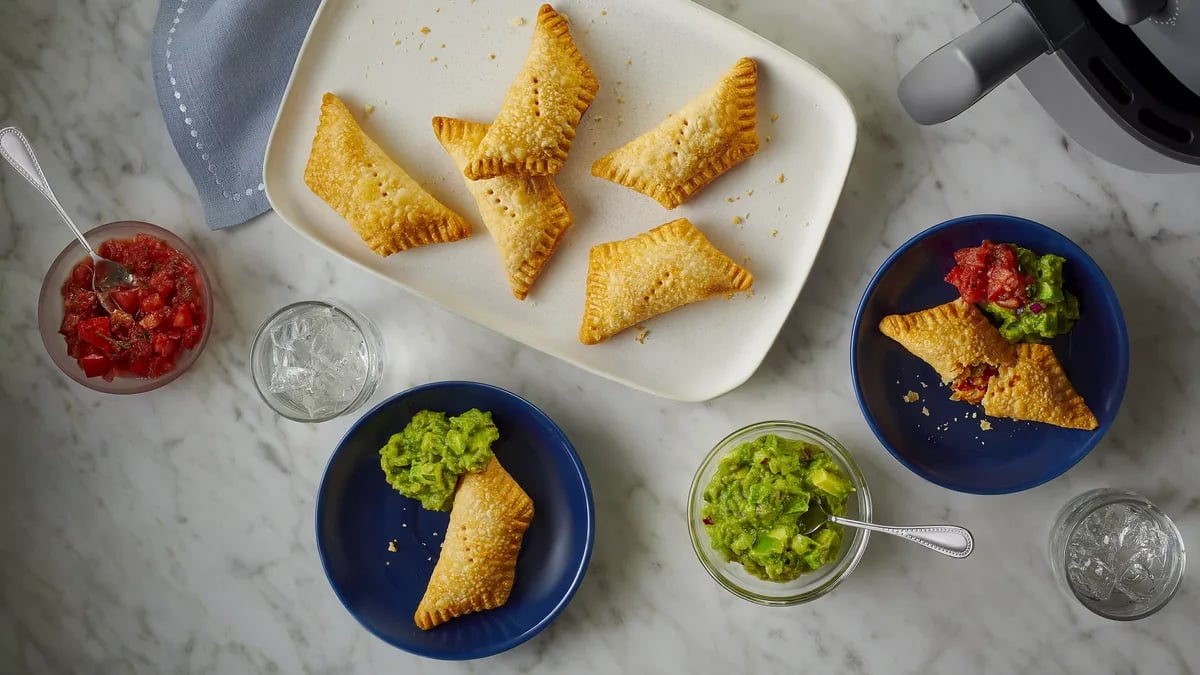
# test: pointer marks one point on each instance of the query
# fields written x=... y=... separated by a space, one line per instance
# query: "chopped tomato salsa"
x=161 y=315
x=989 y=273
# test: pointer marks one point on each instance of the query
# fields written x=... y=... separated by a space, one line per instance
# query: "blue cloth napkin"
x=220 y=68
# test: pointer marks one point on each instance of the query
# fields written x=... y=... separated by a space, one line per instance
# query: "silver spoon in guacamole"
x=949 y=540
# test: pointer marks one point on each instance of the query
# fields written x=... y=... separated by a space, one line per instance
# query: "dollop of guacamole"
x=1051 y=310
x=754 y=503
x=425 y=460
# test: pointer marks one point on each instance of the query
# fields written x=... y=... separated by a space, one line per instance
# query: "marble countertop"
x=173 y=532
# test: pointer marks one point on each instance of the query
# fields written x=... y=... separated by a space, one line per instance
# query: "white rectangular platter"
x=417 y=59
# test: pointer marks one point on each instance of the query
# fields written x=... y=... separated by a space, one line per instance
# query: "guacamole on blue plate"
x=425 y=460
x=1050 y=309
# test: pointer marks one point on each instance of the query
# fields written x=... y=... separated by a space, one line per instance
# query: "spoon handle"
x=15 y=148
x=950 y=540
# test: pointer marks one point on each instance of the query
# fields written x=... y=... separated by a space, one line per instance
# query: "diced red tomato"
x=127 y=298
x=150 y=321
x=94 y=365
x=967 y=281
x=160 y=365
x=191 y=337
x=75 y=347
x=164 y=345
x=989 y=272
x=70 y=324
x=81 y=275
x=161 y=282
x=152 y=302
x=183 y=318
x=972 y=256
x=140 y=347
x=80 y=300
x=96 y=332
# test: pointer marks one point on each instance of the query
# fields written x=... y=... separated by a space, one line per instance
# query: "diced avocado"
x=797 y=504
x=765 y=544
x=830 y=483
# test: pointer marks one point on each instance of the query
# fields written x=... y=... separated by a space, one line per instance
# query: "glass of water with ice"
x=315 y=360
x=1117 y=553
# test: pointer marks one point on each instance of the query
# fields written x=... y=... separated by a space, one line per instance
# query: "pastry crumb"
x=774 y=233
x=392 y=546
x=424 y=30
x=433 y=59
x=774 y=116
x=604 y=12
x=517 y=21
x=443 y=45
x=368 y=109
x=985 y=425
x=925 y=411
x=768 y=139
x=911 y=397
x=924 y=386
x=620 y=100
x=642 y=333
x=629 y=62
x=492 y=57
x=780 y=178
x=745 y=260
x=395 y=42
x=749 y=193
x=737 y=220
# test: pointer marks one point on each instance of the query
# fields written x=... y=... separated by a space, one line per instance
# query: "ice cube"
x=290 y=380
x=1139 y=579
x=1092 y=578
x=1104 y=525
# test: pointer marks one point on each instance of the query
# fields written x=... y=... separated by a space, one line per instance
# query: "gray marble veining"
x=173 y=533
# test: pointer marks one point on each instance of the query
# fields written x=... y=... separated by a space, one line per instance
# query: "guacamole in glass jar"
x=754 y=503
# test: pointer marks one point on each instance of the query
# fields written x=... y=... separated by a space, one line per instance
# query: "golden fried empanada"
x=384 y=205
x=526 y=215
x=533 y=132
x=632 y=280
x=952 y=338
x=1036 y=389
x=479 y=555
x=703 y=140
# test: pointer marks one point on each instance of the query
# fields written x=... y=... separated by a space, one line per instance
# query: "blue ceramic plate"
x=948 y=447
x=358 y=514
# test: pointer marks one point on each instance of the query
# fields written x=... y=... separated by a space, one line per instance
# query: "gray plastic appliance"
x=1121 y=77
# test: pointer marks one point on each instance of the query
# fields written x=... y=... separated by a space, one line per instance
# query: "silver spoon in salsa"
x=108 y=275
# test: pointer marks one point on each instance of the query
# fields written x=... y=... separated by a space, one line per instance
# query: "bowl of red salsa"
x=161 y=323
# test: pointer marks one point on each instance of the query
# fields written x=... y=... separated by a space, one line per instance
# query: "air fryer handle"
x=953 y=78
